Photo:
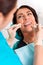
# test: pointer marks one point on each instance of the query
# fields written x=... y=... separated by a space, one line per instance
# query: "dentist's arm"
x=12 y=33
x=38 y=54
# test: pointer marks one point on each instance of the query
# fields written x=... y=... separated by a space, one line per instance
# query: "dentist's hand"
x=39 y=36
x=12 y=32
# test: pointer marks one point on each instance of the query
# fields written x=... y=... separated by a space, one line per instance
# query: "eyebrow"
x=29 y=11
x=22 y=13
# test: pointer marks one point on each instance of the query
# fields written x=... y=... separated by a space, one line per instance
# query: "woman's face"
x=26 y=18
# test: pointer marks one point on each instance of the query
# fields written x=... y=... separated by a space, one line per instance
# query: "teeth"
x=27 y=23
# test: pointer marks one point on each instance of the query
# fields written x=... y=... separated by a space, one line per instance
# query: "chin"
x=30 y=30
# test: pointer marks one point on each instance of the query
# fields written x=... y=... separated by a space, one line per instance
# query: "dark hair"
x=34 y=14
x=6 y=6
x=31 y=9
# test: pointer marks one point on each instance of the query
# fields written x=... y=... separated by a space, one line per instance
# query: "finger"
x=40 y=27
x=16 y=25
x=16 y=29
x=34 y=26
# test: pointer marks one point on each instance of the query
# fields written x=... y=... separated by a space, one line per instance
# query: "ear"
x=1 y=14
x=1 y=20
x=1 y=17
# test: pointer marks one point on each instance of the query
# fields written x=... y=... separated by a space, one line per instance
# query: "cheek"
x=33 y=20
x=22 y=28
x=20 y=21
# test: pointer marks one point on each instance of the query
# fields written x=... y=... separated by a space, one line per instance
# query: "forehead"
x=23 y=10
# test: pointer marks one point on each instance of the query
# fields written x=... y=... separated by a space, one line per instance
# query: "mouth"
x=28 y=23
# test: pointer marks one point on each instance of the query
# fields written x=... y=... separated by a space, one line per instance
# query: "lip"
x=28 y=23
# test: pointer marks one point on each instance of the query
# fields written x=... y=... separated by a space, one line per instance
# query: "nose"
x=26 y=18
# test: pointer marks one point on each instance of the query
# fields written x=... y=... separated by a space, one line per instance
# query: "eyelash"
x=20 y=17
x=27 y=14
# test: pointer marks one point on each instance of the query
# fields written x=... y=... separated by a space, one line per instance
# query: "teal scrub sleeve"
x=7 y=56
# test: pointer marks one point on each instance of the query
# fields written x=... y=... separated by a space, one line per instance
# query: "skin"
x=5 y=20
x=25 y=16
